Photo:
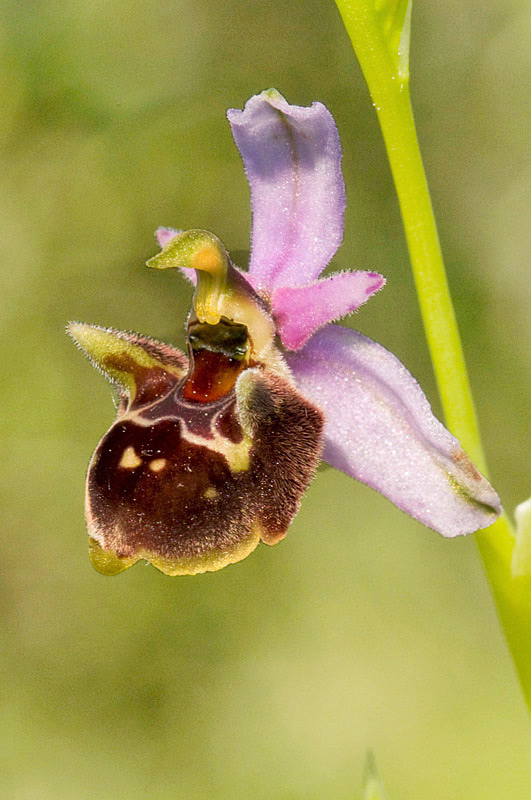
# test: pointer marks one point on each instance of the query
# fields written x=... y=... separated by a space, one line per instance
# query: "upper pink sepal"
x=300 y=311
x=380 y=429
x=292 y=158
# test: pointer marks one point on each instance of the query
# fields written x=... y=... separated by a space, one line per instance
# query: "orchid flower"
x=212 y=453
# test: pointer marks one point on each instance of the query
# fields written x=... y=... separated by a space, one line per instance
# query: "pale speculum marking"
x=210 y=493
x=157 y=464
x=129 y=459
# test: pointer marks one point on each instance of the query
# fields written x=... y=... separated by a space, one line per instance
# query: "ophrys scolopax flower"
x=212 y=452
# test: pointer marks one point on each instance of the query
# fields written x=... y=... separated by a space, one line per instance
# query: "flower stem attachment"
x=379 y=33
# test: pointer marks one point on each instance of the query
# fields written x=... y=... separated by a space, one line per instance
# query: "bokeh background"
x=363 y=629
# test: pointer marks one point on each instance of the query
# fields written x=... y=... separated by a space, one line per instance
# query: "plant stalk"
x=390 y=96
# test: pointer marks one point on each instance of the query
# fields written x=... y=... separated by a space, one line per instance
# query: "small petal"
x=380 y=429
x=292 y=158
x=165 y=235
x=299 y=312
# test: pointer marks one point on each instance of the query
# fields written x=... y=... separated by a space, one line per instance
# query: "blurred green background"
x=362 y=629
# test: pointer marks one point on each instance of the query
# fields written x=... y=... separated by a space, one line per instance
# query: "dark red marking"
x=165 y=512
x=212 y=376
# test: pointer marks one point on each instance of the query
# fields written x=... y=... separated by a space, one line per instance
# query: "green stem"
x=390 y=94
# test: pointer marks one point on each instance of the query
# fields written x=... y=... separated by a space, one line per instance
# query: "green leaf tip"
x=521 y=561
x=372 y=784
x=394 y=17
x=380 y=32
x=403 y=45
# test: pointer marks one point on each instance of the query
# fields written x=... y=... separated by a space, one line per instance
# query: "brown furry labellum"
x=208 y=455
